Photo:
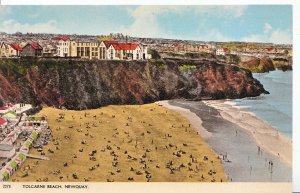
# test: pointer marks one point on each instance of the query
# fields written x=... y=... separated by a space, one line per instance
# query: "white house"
x=145 y=54
x=221 y=51
x=63 y=46
x=123 y=51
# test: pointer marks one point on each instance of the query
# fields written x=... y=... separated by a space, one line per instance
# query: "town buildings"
x=123 y=47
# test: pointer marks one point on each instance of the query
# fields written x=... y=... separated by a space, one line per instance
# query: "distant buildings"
x=123 y=47
x=222 y=51
x=64 y=46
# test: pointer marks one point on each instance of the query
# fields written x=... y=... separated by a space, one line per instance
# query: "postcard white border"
x=231 y=187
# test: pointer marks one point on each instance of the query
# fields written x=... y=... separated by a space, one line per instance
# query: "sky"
x=251 y=23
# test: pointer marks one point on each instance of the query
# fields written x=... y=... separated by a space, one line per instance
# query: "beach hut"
x=21 y=156
x=24 y=149
x=34 y=135
x=7 y=151
x=28 y=144
x=9 y=170
x=14 y=166
x=5 y=176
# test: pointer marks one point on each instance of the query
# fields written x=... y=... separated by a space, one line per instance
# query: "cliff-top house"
x=32 y=50
x=10 y=50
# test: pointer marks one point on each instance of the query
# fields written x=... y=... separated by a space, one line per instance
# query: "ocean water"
x=275 y=108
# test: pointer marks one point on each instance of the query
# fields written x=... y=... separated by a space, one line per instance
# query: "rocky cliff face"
x=77 y=84
x=259 y=65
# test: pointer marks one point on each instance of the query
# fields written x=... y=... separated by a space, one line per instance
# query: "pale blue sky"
x=263 y=23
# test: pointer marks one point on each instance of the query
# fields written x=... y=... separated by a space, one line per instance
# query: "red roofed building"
x=124 y=51
x=10 y=50
x=222 y=51
x=63 y=38
x=32 y=50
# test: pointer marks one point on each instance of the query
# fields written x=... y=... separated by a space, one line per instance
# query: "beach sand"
x=129 y=141
x=267 y=137
x=247 y=159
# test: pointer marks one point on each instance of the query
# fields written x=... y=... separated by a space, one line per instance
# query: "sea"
x=274 y=108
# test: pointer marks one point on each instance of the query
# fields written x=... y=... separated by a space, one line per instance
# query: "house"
x=88 y=49
x=124 y=51
x=49 y=50
x=16 y=50
x=10 y=50
x=32 y=50
x=222 y=51
x=63 y=46
x=145 y=55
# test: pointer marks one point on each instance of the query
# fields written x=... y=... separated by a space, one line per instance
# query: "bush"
x=187 y=67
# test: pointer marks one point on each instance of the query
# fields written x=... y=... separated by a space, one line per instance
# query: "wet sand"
x=243 y=160
x=135 y=143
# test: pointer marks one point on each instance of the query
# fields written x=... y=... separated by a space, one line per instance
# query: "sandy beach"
x=129 y=143
x=249 y=146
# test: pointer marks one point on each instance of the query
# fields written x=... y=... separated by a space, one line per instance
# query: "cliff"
x=259 y=65
x=82 y=84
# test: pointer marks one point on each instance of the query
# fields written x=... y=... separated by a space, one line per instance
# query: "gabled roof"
x=34 y=46
x=16 y=47
x=124 y=46
x=108 y=43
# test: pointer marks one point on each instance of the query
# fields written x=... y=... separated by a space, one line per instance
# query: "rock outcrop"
x=259 y=65
x=83 y=84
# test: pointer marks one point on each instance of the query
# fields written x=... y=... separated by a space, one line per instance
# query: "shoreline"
x=195 y=121
x=246 y=161
x=265 y=135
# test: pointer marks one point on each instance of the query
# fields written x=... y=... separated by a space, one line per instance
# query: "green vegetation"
x=154 y=54
x=187 y=67
x=159 y=63
x=19 y=67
